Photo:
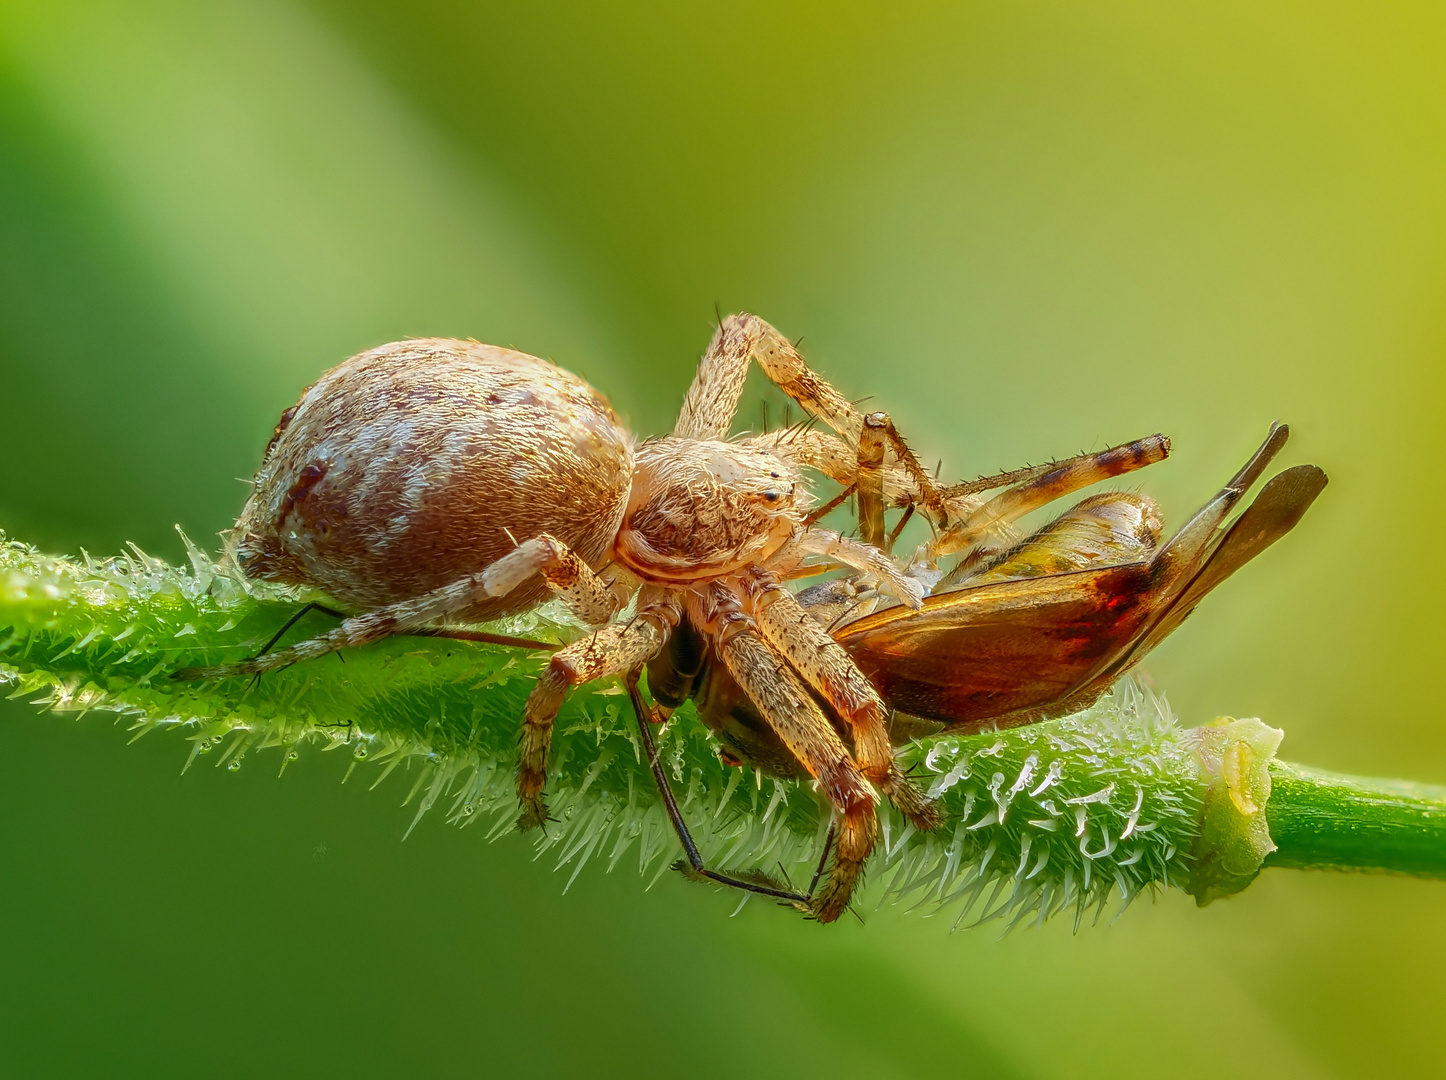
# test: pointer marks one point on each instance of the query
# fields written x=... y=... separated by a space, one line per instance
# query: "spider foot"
x=833 y=899
x=534 y=814
x=923 y=812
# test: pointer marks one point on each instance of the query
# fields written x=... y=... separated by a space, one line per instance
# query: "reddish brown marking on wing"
x=1007 y=652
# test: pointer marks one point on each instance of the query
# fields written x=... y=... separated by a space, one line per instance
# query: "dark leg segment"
x=485 y=638
x=1044 y=486
x=300 y=614
x=758 y=883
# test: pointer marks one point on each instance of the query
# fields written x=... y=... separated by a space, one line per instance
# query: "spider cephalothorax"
x=700 y=509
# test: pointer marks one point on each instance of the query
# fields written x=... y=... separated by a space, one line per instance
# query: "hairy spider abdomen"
x=411 y=466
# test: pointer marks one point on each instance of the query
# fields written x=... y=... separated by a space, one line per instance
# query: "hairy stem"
x=1063 y=816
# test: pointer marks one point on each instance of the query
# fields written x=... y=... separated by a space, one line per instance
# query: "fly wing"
x=1182 y=557
x=1031 y=647
x=1278 y=508
x=1007 y=651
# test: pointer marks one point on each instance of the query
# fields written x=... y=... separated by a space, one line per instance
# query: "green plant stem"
x=1326 y=821
x=1062 y=816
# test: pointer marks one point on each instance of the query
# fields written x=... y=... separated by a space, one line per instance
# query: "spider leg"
x=860 y=456
x=614 y=650
x=879 y=434
x=582 y=590
x=825 y=666
x=881 y=468
x=862 y=557
x=785 y=703
x=818 y=513
x=759 y=883
x=819 y=450
x=712 y=400
x=484 y=637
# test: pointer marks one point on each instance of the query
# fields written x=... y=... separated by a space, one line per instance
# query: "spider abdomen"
x=411 y=466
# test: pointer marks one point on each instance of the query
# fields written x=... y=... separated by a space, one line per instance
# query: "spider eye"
x=772 y=496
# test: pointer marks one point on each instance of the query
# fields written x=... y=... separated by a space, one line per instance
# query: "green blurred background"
x=1026 y=230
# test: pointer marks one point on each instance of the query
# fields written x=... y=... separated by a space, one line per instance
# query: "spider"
x=434 y=481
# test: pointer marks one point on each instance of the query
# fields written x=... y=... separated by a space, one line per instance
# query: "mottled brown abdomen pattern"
x=407 y=467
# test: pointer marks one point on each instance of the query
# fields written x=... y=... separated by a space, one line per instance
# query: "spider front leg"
x=862 y=557
x=825 y=666
x=785 y=703
x=585 y=594
x=878 y=435
x=614 y=650
x=712 y=400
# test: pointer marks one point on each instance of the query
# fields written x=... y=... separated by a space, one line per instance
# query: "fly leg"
x=481 y=636
x=880 y=479
x=301 y=613
x=296 y=617
x=972 y=522
x=757 y=882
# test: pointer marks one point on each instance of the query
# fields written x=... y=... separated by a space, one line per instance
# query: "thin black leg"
x=823 y=857
x=440 y=632
x=289 y=623
x=695 y=860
